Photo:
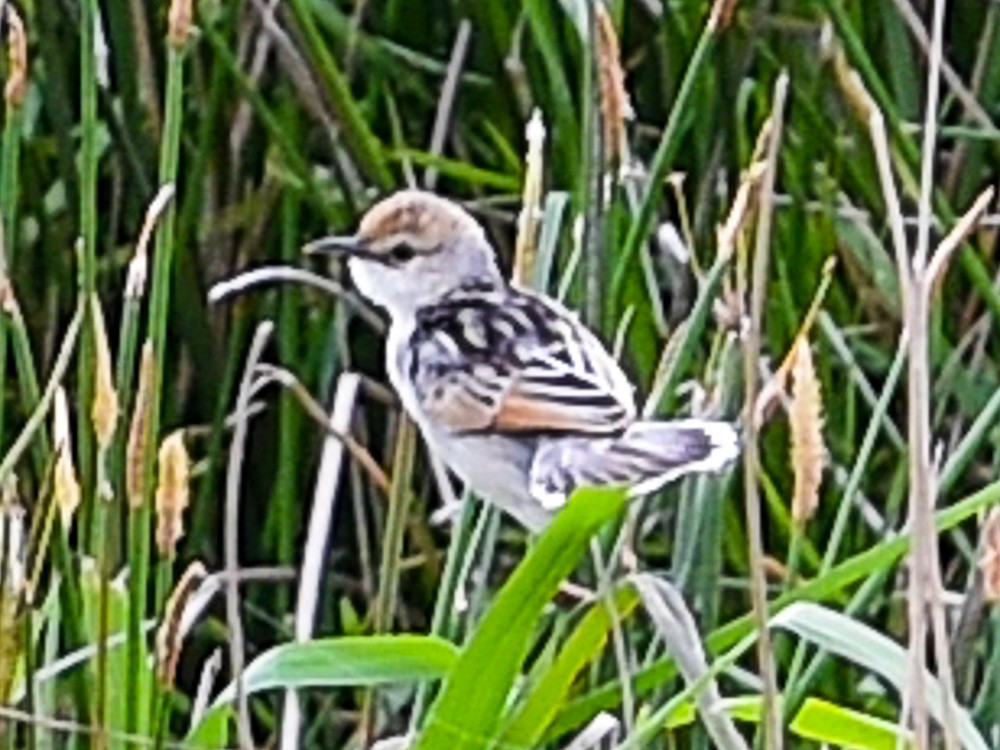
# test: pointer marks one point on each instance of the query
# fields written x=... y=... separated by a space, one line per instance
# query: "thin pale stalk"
x=751 y=455
x=925 y=571
x=42 y=402
x=320 y=528
x=234 y=472
x=386 y=599
x=446 y=103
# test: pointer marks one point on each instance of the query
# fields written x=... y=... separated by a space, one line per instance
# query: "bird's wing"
x=494 y=358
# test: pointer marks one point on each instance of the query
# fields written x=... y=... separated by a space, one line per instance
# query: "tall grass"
x=151 y=150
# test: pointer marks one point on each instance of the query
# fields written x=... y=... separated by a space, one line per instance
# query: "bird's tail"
x=644 y=458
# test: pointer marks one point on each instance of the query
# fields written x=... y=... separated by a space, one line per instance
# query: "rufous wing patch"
x=517 y=413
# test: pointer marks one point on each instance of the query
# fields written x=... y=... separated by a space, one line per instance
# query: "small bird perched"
x=507 y=386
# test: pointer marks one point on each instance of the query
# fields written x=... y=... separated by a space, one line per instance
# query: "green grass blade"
x=850 y=571
x=500 y=644
x=532 y=718
x=835 y=725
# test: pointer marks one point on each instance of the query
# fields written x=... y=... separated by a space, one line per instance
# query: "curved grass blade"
x=347 y=662
x=863 y=645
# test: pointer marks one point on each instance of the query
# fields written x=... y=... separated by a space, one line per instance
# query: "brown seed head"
x=172 y=493
x=806 y=422
x=138 y=437
x=169 y=638
x=616 y=107
x=104 y=412
x=179 y=23
x=17 y=59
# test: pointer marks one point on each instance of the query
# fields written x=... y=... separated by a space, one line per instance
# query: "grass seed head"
x=806 y=422
x=172 y=493
x=170 y=637
x=138 y=438
x=179 y=22
x=105 y=410
x=616 y=107
x=17 y=60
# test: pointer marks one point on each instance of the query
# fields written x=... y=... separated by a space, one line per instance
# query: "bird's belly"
x=495 y=467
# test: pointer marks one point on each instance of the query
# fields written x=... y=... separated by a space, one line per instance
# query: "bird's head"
x=410 y=249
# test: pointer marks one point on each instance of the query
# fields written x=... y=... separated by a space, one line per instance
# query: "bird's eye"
x=402 y=253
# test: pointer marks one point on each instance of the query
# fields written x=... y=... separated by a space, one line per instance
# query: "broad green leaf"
x=582 y=647
x=835 y=725
x=467 y=712
x=863 y=645
x=347 y=661
x=338 y=662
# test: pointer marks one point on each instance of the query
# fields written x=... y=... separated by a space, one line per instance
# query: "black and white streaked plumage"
x=515 y=395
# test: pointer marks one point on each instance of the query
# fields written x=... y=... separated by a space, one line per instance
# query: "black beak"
x=349 y=246
x=340 y=246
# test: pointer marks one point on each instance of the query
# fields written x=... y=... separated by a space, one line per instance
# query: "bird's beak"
x=345 y=246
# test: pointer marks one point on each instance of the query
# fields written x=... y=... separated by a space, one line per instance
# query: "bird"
x=514 y=394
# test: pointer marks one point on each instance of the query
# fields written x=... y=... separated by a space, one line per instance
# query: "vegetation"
x=216 y=529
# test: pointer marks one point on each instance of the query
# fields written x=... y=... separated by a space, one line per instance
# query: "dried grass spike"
x=66 y=488
x=105 y=410
x=989 y=561
x=616 y=107
x=531 y=202
x=170 y=638
x=17 y=60
x=851 y=85
x=172 y=493
x=179 y=21
x=806 y=422
x=138 y=437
